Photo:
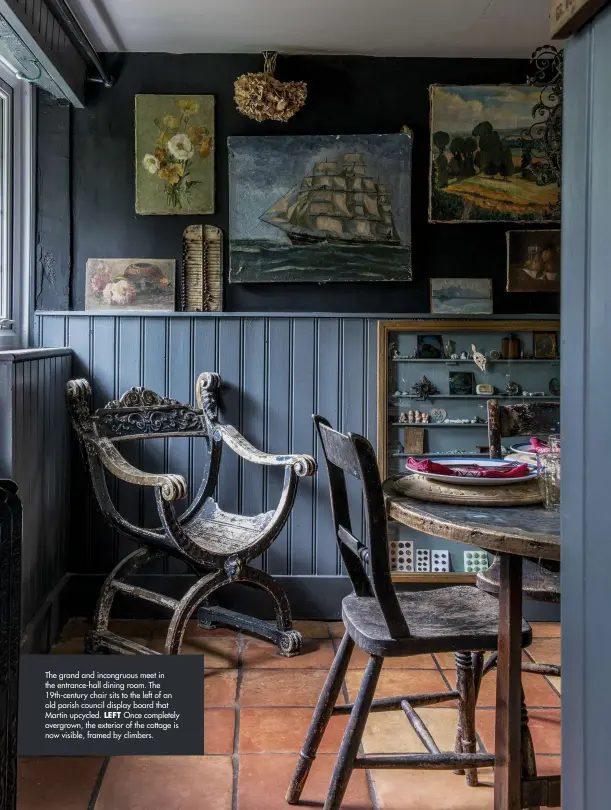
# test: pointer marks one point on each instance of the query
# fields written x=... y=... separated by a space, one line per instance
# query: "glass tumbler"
x=548 y=469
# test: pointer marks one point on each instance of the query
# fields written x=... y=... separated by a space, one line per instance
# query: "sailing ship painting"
x=320 y=208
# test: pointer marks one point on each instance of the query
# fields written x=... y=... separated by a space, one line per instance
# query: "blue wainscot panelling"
x=35 y=452
x=277 y=371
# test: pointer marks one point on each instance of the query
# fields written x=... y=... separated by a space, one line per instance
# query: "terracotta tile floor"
x=258 y=707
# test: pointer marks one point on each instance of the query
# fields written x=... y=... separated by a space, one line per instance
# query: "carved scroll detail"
x=141 y=398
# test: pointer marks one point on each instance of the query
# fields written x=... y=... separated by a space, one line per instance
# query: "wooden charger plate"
x=423 y=489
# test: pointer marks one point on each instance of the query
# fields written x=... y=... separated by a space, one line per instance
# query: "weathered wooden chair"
x=385 y=623
x=216 y=546
x=540 y=579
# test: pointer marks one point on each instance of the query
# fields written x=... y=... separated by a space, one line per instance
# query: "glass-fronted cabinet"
x=434 y=380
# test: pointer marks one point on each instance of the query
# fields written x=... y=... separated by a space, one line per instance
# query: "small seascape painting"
x=533 y=261
x=461 y=296
x=130 y=284
x=485 y=165
x=320 y=208
x=174 y=154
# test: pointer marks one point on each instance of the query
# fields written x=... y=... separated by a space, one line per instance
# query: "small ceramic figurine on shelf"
x=449 y=348
x=410 y=417
x=403 y=418
x=417 y=417
x=464 y=356
x=479 y=358
x=426 y=417
x=454 y=357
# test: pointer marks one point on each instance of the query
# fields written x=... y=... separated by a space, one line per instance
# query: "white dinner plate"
x=452 y=461
x=525 y=448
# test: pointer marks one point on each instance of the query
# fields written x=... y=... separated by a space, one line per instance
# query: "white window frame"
x=17 y=221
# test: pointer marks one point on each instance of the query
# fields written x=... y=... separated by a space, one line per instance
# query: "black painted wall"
x=88 y=208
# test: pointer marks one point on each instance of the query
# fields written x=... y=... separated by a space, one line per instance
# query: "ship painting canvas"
x=320 y=208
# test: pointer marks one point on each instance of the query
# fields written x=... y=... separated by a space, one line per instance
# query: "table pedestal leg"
x=508 y=769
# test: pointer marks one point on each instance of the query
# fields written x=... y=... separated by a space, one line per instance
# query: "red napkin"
x=469 y=470
x=538 y=446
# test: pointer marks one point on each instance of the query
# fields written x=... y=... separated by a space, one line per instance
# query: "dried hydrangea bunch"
x=263 y=98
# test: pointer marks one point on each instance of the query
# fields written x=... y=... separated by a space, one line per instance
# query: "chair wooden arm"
x=303 y=465
x=173 y=487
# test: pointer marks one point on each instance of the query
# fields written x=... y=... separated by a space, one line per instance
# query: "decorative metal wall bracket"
x=543 y=139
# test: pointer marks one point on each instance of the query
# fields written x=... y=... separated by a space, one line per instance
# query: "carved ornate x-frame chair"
x=216 y=546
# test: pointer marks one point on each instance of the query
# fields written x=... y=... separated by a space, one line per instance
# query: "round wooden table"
x=512 y=533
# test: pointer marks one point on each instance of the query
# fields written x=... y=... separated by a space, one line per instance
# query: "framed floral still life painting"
x=130 y=284
x=174 y=154
x=533 y=261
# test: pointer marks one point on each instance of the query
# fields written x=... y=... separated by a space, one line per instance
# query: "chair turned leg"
x=320 y=720
x=529 y=762
x=477 y=659
x=465 y=733
x=351 y=741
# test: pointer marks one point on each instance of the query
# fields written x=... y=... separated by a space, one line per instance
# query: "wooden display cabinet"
x=470 y=437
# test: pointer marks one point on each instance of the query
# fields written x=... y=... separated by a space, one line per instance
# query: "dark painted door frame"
x=586 y=338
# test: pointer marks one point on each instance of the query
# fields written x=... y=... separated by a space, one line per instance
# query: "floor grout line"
x=235 y=758
x=98 y=784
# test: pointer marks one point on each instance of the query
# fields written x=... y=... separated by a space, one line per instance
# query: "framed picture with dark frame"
x=462 y=383
x=545 y=345
x=533 y=261
x=430 y=347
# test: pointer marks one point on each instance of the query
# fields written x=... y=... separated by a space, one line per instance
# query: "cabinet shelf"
x=397 y=374
x=483 y=397
x=456 y=577
x=552 y=361
x=439 y=424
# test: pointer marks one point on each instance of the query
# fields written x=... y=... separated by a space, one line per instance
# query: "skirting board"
x=316 y=598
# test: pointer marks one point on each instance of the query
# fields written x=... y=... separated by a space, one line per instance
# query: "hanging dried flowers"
x=263 y=98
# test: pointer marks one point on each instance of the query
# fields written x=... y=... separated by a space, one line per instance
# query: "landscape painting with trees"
x=483 y=161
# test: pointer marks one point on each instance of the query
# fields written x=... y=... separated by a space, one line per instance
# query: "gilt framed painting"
x=483 y=164
x=174 y=154
x=320 y=208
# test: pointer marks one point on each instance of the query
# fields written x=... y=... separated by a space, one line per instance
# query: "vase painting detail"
x=320 y=208
x=130 y=284
x=174 y=154
x=482 y=167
